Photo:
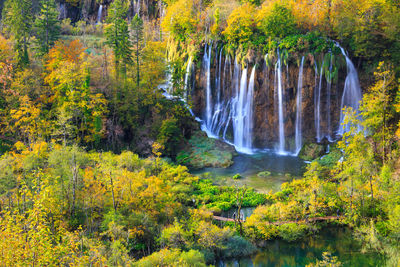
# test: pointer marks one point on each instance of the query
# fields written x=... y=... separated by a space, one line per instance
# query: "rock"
x=204 y=152
x=311 y=151
x=237 y=176
x=264 y=174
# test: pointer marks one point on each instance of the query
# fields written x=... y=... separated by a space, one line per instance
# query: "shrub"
x=292 y=231
x=180 y=20
x=173 y=236
x=173 y=257
x=170 y=136
x=66 y=27
x=237 y=246
x=241 y=26
x=264 y=174
x=277 y=21
x=237 y=176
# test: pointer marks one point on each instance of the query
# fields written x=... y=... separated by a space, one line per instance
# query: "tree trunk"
x=74 y=181
x=112 y=192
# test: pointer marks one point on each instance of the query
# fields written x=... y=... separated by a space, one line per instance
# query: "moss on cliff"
x=202 y=152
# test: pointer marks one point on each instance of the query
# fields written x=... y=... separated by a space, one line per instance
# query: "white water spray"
x=298 y=133
x=351 y=93
x=99 y=14
x=187 y=75
x=207 y=65
x=278 y=71
x=318 y=103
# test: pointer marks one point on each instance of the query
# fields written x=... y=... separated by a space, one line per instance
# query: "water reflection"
x=338 y=241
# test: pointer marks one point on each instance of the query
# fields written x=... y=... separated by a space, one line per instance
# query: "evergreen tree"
x=18 y=20
x=47 y=26
x=137 y=35
x=117 y=34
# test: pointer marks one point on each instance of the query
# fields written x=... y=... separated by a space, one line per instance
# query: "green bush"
x=170 y=136
x=278 y=21
x=292 y=231
x=173 y=257
x=241 y=27
x=237 y=176
x=264 y=174
x=237 y=246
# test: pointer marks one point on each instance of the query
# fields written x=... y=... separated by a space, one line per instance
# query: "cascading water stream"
x=138 y=7
x=351 y=93
x=232 y=111
x=99 y=14
x=224 y=73
x=298 y=133
x=328 y=101
x=218 y=108
x=278 y=72
x=187 y=75
x=239 y=118
x=248 y=124
x=207 y=65
x=62 y=11
x=318 y=103
x=229 y=95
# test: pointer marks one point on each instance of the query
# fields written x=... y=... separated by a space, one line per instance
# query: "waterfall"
x=187 y=75
x=207 y=65
x=243 y=118
x=138 y=7
x=99 y=14
x=228 y=108
x=278 y=71
x=167 y=89
x=298 y=136
x=317 y=101
x=351 y=93
x=216 y=123
x=248 y=127
x=226 y=111
x=62 y=11
x=224 y=104
x=234 y=99
x=239 y=119
x=328 y=101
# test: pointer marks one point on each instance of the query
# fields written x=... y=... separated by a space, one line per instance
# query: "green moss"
x=236 y=176
x=264 y=174
x=311 y=151
x=332 y=158
x=206 y=152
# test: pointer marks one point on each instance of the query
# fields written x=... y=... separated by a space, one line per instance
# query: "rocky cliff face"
x=265 y=134
x=87 y=10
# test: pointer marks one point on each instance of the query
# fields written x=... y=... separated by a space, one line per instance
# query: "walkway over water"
x=315 y=219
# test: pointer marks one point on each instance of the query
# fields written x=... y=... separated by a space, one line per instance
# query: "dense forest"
x=116 y=117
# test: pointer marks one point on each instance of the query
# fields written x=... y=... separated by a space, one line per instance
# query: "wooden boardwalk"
x=314 y=219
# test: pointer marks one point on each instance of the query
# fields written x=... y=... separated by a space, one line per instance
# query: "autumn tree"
x=25 y=120
x=377 y=110
x=80 y=111
x=47 y=26
x=6 y=64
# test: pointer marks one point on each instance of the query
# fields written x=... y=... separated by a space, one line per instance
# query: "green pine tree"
x=137 y=36
x=47 y=27
x=117 y=35
x=18 y=21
